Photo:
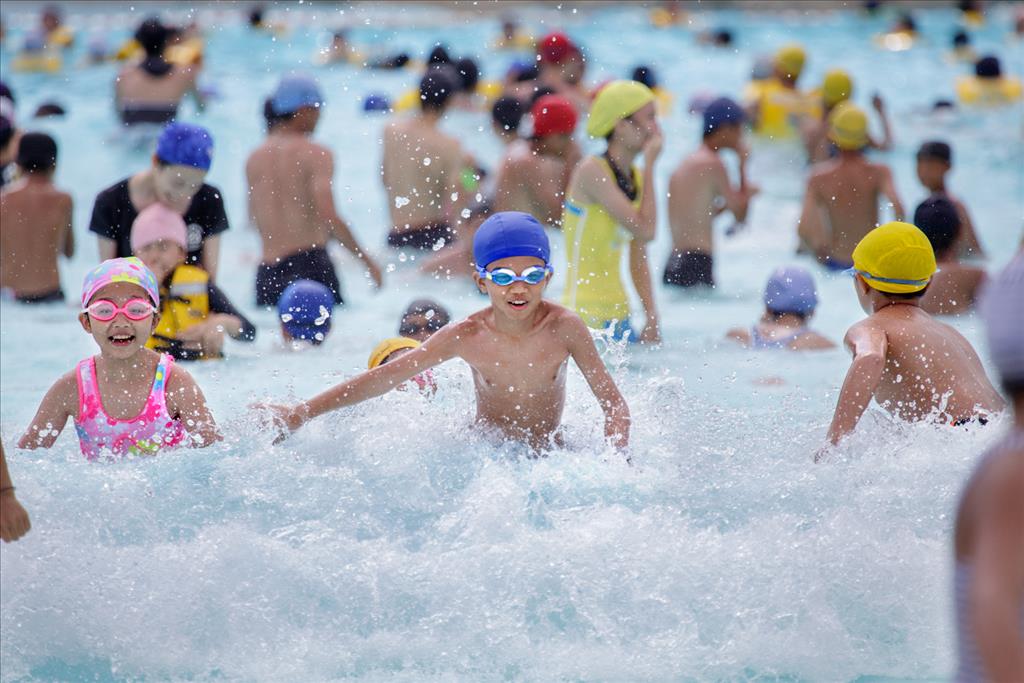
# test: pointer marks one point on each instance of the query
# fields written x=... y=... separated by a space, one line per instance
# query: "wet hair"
x=5 y=91
x=469 y=74
x=6 y=132
x=645 y=74
x=439 y=55
x=943 y=104
x=47 y=109
x=530 y=73
x=907 y=22
x=988 y=67
x=722 y=36
x=152 y=36
x=437 y=86
x=539 y=93
x=907 y=296
x=436 y=314
x=507 y=113
x=936 y=149
x=37 y=153
x=256 y=16
x=961 y=39
x=939 y=220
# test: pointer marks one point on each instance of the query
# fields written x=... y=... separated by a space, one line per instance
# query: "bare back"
x=532 y=183
x=954 y=289
x=693 y=188
x=421 y=168
x=136 y=88
x=846 y=192
x=36 y=220
x=929 y=365
x=282 y=173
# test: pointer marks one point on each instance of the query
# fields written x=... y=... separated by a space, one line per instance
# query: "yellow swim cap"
x=388 y=347
x=837 y=87
x=790 y=58
x=848 y=126
x=895 y=258
x=614 y=102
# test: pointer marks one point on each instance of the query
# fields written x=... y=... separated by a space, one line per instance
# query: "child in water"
x=789 y=302
x=914 y=366
x=305 y=310
x=127 y=399
x=518 y=347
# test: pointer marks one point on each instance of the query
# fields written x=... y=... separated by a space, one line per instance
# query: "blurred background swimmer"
x=790 y=299
x=305 y=311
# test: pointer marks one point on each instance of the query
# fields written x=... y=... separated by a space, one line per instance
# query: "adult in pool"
x=916 y=367
x=518 y=347
x=291 y=198
x=988 y=587
x=842 y=195
x=610 y=207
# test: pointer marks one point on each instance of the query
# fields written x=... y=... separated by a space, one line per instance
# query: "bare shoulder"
x=66 y=386
x=811 y=341
x=566 y=323
x=739 y=334
x=179 y=379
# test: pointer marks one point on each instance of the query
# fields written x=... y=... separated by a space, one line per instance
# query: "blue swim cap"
x=185 y=144
x=295 y=92
x=305 y=309
x=720 y=112
x=790 y=290
x=376 y=102
x=507 y=234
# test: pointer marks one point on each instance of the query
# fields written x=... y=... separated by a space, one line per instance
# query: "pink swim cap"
x=130 y=269
x=156 y=222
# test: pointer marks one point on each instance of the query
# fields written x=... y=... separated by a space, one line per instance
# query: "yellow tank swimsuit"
x=594 y=244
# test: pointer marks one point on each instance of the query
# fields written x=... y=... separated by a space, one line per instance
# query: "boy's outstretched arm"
x=582 y=349
x=868 y=344
x=57 y=406
x=442 y=346
x=185 y=400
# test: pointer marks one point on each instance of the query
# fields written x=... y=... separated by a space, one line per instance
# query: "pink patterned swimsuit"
x=146 y=434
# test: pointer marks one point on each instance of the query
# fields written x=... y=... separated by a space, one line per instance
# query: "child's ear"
x=481 y=287
x=83 y=319
x=156 y=321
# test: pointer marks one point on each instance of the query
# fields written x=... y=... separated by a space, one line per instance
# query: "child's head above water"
x=120 y=304
x=939 y=220
x=790 y=290
x=1003 y=309
x=511 y=253
x=893 y=261
x=389 y=350
x=848 y=127
x=184 y=154
x=422 y=318
x=934 y=159
x=160 y=238
x=305 y=309
x=37 y=153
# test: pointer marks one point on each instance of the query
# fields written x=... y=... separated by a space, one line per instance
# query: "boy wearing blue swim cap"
x=790 y=299
x=518 y=347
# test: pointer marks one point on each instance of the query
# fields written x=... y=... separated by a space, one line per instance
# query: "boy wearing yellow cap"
x=610 y=208
x=914 y=366
x=774 y=104
x=836 y=88
x=842 y=196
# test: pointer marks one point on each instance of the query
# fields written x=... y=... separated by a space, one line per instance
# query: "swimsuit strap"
x=88 y=388
x=163 y=372
x=626 y=183
x=761 y=341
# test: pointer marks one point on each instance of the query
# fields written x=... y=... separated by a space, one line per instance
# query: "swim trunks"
x=311 y=264
x=689 y=269
x=160 y=114
x=422 y=237
x=964 y=421
x=45 y=298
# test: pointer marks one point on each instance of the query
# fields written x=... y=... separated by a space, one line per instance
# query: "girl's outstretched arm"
x=58 y=405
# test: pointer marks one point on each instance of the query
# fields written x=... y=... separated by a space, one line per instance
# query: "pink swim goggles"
x=105 y=310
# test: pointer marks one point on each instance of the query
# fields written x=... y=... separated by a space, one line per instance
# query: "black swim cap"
x=936 y=149
x=439 y=55
x=47 y=109
x=939 y=220
x=988 y=67
x=645 y=74
x=961 y=39
x=723 y=36
x=256 y=16
x=539 y=93
x=152 y=36
x=469 y=74
x=507 y=112
x=6 y=92
x=437 y=86
x=6 y=131
x=37 y=152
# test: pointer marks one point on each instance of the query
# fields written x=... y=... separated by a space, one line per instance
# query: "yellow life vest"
x=46 y=61
x=62 y=36
x=594 y=244
x=490 y=90
x=521 y=41
x=778 y=105
x=186 y=53
x=988 y=91
x=185 y=304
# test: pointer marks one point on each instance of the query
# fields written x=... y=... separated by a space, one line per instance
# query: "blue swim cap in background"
x=305 y=309
x=507 y=234
x=185 y=144
x=721 y=112
x=790 y=290
x=295 y=92
x=376 y=102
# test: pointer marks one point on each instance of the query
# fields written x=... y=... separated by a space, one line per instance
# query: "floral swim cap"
x=129 y=269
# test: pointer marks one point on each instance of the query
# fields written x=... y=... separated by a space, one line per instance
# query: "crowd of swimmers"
x=152 y=304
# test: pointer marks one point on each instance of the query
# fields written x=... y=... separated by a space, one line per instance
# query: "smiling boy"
x=518 y=347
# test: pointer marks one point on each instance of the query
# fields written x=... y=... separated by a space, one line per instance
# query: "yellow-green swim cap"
x=848 y=126
x=895 y=258
x=614 y=102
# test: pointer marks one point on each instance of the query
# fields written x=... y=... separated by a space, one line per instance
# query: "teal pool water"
x=414 y=549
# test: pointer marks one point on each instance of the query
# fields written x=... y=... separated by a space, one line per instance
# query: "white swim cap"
x=1003 y=308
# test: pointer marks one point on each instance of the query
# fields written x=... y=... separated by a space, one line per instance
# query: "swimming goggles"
x=891 y=280
x=503 y=277
x=105 y=310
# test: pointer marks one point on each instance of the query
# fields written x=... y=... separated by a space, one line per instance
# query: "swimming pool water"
x=392 y=542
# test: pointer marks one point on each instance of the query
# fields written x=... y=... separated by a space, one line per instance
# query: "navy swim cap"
x=790 y=290
x=507 y=234
x=721 y=112
x=376 y=102
x=185 y=144
x=305 y=309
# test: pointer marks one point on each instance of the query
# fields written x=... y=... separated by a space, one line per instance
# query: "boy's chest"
x=529 y=367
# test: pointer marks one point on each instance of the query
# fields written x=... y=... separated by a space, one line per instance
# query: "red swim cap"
x=556 y=47
x=553 y=115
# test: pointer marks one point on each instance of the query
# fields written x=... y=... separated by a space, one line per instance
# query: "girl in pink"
x=127 y=400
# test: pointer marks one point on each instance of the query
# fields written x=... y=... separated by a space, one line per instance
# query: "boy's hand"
x=14 y=521
x=285 y=419
x=878 y=103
